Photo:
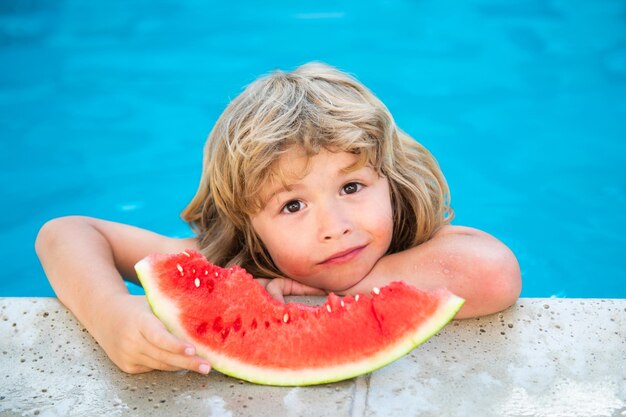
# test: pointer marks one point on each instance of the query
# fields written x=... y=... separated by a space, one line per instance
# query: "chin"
x=342 y=284
x=337 y=281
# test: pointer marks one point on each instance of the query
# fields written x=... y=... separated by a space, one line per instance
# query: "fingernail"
x=204 y=369
x=189 y=351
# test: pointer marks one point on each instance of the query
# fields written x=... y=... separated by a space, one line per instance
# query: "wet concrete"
x=542 y=357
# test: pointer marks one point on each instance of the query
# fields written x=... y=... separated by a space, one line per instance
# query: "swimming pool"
x=104 y=109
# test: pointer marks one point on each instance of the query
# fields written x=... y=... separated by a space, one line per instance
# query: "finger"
x=275 y=288
x=166 y=361
x=263 y=281
x=297 y=288
x=157 y=349
x=153 y=363
x=289 y=286
x=155 y=333
x=173 y=360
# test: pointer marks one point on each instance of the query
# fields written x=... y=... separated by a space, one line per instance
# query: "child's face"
x=330 y=227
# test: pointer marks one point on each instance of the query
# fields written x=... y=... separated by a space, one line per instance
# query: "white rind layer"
x=167 y=312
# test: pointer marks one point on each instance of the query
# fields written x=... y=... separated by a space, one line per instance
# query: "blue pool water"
x=104 y=107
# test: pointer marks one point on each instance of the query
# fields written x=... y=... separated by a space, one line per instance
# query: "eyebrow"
x=275 y=192
x=289 y=187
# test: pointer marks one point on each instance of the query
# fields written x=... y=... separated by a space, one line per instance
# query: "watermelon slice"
x=243 y=332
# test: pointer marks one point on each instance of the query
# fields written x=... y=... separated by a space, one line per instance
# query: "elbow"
x=496 y=283
x=502 y=280
x=46 y=235
x=51 y=230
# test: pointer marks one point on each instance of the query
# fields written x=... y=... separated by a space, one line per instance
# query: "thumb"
x=288 y=286
x=275 y=288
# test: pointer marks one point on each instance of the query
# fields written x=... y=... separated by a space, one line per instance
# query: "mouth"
x=343 y=256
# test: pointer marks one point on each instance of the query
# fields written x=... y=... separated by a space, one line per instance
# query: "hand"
x=280 y=286
x=136 y=341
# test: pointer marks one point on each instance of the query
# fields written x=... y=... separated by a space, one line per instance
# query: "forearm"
x=79 y=264
x=85 y=259
x=469 y=263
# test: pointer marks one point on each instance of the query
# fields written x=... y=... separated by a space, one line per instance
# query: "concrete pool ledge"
x=541 y=357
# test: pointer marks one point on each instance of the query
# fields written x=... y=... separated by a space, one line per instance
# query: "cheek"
x=382 y=227
x=385 y=229
x=288 y=250
x=382 y=216
x=288 y=253
x=295 y=265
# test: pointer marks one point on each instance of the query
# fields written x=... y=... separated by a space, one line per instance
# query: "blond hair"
x=313 y=107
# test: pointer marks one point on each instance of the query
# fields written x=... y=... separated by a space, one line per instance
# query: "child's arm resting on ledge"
x=85 y=259
x=470 y=263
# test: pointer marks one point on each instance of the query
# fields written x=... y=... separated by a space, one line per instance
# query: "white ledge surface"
x=541 y=357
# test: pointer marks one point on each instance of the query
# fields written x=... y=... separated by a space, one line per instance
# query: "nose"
x=334 y=221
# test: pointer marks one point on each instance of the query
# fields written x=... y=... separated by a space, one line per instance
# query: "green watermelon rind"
x=163 y=308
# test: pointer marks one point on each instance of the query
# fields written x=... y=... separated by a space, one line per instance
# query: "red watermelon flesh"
x=245 y=333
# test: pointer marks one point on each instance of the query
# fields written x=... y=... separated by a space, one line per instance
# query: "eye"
x=293 y=206
x=351 y=188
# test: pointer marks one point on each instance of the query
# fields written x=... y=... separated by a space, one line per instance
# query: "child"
x=308 y=183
